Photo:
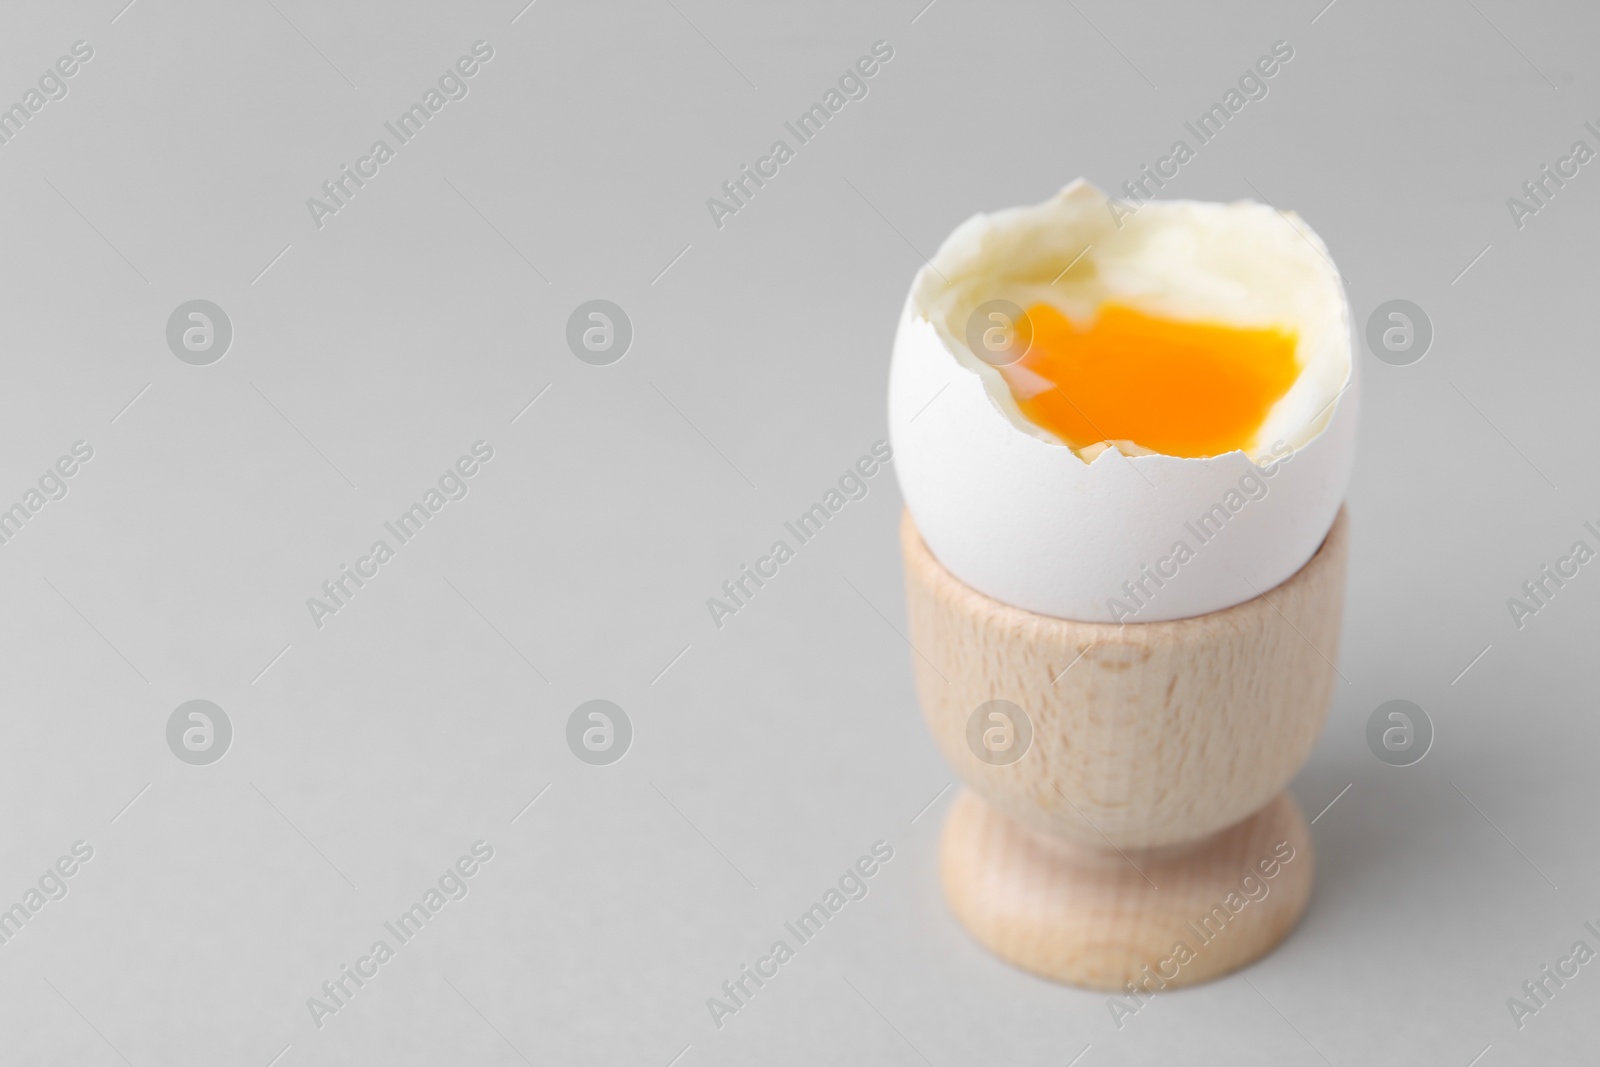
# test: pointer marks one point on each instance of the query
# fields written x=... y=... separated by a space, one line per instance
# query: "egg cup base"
x=1158 y=918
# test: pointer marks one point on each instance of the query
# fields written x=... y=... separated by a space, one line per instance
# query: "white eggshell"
x=1018 y=515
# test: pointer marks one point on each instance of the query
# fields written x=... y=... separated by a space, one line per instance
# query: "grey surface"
x=768 y=755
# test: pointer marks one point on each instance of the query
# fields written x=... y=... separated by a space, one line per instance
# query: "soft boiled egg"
x=1119 y=415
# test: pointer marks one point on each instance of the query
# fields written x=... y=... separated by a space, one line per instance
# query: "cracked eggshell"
x=1020 y=516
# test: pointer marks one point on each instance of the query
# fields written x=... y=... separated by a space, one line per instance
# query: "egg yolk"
x=1191 y=389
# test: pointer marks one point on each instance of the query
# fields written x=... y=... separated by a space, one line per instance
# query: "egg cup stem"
x=1126 y=826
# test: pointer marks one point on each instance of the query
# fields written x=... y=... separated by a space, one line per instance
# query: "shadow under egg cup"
x=1143 y=838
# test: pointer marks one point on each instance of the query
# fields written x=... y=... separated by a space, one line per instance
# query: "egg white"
x=1018 y=514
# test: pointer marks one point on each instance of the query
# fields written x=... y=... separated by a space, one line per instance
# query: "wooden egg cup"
x=1143 y=839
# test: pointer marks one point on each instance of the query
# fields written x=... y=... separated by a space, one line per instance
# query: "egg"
x=1118 y=413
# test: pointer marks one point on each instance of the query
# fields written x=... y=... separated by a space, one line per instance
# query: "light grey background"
x=767 y=756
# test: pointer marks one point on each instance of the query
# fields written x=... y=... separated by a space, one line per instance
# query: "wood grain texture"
x=1145 y=733
x=1152 y=783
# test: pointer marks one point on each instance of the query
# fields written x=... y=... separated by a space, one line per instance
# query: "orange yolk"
x=1190 y=389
